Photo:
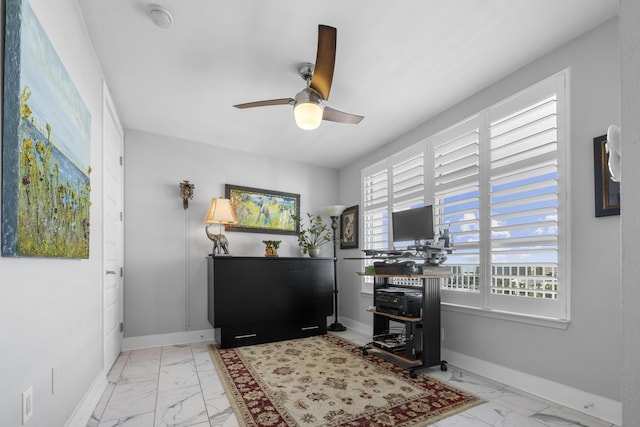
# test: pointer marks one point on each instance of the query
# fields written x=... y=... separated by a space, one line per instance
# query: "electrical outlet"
x=27 y=405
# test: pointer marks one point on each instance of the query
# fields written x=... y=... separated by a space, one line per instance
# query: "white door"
x=113 y=252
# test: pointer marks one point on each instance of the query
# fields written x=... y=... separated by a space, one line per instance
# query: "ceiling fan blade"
x=325 y=61
x=339 y=116
x=267 y=103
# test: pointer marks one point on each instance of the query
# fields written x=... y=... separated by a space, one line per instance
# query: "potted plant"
x=271 y=248
x=316 y=234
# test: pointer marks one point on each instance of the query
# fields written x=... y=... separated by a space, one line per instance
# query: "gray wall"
x=166 y=246
x=630 y=125
x=51 y=309
x=586 y=355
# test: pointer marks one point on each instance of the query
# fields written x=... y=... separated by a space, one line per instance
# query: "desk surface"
x=413 y=276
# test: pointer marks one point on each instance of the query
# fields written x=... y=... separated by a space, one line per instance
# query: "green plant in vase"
x=313 y=236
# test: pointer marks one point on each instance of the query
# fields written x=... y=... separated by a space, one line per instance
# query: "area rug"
x=326 y=381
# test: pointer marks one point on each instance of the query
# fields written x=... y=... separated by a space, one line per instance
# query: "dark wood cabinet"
x=254 y=300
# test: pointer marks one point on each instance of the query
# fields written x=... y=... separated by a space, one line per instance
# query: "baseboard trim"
x=174 y=338
x=84 y=410
x=357 y=326
x=579 y=400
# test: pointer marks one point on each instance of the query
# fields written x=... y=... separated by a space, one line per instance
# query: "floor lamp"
x=334 y=213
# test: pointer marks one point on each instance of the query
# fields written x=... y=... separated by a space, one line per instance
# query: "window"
x=456 y=154
x=375 y=218
x=397 y=183
x=497 y=181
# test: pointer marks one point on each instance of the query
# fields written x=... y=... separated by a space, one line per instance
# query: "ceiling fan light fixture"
x=308 y=109
x=308 y=115
x=309 y=105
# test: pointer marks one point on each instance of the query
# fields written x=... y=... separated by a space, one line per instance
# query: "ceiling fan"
x=309 y=105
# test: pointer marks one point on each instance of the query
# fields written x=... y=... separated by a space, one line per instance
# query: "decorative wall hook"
x=186 y=192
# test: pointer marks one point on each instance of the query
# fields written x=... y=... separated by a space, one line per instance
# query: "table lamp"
x=220 y=212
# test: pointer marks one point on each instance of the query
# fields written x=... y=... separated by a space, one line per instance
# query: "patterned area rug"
x=325 y=381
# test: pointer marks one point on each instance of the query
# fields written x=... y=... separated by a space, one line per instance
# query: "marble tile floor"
x=178 y=386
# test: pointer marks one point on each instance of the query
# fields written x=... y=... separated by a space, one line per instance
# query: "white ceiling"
x=397 y=63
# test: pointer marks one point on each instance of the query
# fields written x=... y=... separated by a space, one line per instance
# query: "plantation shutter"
x=375 y=200
x=498 y=182
x=397 y=183
x=375 y=220
x=407 y=183
x=456 y=154
x=523 y=182
x=408 y=179
x=523 y=200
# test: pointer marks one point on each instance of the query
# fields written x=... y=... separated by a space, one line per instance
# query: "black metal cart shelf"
x=421 y=337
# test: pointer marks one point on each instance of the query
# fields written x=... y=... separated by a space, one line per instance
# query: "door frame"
x=110 y=118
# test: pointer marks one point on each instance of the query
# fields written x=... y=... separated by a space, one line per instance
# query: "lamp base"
x=336 y=327
x=220 y=242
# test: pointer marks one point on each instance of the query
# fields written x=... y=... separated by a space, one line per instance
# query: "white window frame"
x=555 y=313
x=558 y=308
x=413 y=196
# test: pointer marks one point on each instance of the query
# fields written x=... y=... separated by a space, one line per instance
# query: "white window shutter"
x=498 y=182
x=456 y=170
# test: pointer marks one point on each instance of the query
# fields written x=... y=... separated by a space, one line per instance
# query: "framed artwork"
x=607 y=191
x=263 y=211
x=349 y=235
x=46 y=144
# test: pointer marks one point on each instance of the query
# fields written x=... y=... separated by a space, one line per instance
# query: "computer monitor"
x=413 y=225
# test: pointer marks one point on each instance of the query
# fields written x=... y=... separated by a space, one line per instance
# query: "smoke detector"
x=160 y=16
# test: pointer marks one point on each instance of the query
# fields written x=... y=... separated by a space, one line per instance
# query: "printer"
x=398 y=301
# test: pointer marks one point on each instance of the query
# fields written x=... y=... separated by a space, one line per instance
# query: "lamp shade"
x=220 y=212
x=334 y=210
x=308 y=109
x=308 y=115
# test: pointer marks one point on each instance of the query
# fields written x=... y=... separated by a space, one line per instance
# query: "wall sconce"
x=613 y=148
x=220 y=212
x=186 y=192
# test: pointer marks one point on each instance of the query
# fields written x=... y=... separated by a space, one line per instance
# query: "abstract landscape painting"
x=45 y=147
x=263 y=211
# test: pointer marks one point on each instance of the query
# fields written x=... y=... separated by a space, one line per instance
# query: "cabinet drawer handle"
x=111 y=272
x=306 y=328
x=246 y=336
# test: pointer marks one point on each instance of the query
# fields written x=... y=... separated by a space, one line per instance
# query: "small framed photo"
x=607 y=191
x=349 y=236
